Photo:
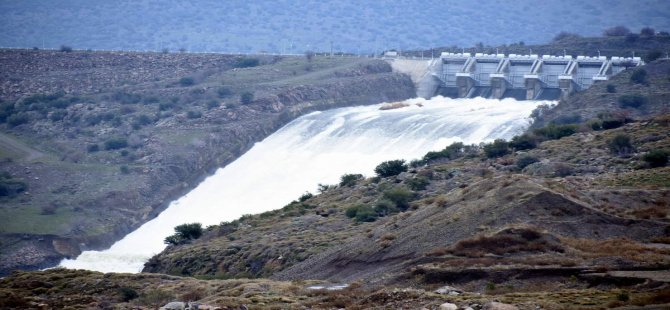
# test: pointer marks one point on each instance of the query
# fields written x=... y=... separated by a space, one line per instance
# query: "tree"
x=639 y=76
x=350 y=180
x=309 y=55
x=498 y=148
x=246 y=97
x=184 y=233
x=656 y=158
x=652 y=55
x=647 y=32
x=617 y=31
x=620 y=145
x=391 y=168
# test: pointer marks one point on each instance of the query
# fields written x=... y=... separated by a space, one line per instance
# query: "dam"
x=499 y=76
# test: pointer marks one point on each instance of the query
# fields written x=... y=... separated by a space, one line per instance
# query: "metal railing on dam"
x=524 y=77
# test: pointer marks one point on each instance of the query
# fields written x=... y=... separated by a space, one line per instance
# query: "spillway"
x=316 y=148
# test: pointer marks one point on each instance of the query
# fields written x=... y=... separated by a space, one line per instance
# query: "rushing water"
x=316 y=148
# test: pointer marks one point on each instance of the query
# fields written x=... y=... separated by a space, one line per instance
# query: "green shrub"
x=554 y=132
x=453 y=151
x=653 y=55
x=224 y=92
x=92 y=148
x=305 y=196
x=247 y=62
x=523 y=142
x=350 y=180
x=127 y=294
x=212 y=104
x=126 y=98
x=400 y=197
x=385 y=207
x=391 y=168
x=611 y=88
x=246 y=97
x=418 y=183
x=193 y=114
x=187 y=81
x=124 y=169
x=185 y=233
x=10 y=187
x=632 y=101
x=497 y=148
x=656 y=158
x=18 y=119
x=116 y=143
x=164 y=106
x=525 y=160
x=351 y=211
x=620 y=144
x=366 y=214
x=611 y=121
x=65 y=49
x=639 y=76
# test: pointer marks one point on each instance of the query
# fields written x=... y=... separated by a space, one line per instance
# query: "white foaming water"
x=316 y=148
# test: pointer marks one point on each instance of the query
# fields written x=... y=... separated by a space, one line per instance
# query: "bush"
x=554 y=132
x=58 y=115
x=224 y=92
x=124 y=169
x=127 y=294
x=246 y=97
x=247 y=63
x=639 y=76
x=652 y=55
x=116 y=143
x=92 y=148
x=361 y=213
x=618 y=31
x=126 y=98
x=305 y=196
x=212 y=104
x=391 y=168
x=498 y=148
x=17 y=119
x=567 y=119
x=620 y=144
x=523 y=142
x=647 y=32
x=611 y=121
x=65 y=48
x=385 y=207
x=418 y=183
x=453 y=151
x=187 y=81
x=10 y=187
x=350 y=180
x=656 y=158
x=164 y=106
x=526 y=160
x=632 y=101
x=563 y=35
x=185 y=233
x=400 y=197
x=193 y=114
x=611 y=88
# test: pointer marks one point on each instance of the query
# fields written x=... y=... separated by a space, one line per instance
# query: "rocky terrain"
x=93 y=144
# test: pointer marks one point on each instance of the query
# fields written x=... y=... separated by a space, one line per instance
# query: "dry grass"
x=619 y=247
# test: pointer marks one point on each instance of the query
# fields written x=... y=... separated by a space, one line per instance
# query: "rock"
x=448 y=290
x=499 y=306
x=448 y=306
x=174 y=305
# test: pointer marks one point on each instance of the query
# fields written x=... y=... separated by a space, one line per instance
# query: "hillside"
x=569 y=207
x=93 y=144
x=294 y=27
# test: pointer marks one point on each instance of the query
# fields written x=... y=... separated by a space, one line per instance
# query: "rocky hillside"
x=562 y=207
x=635 y=93
x=95 y=144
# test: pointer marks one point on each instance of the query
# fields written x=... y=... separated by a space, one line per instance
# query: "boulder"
x=499 y=306
x=448 y=290
x=174 y=305
x=448 y=306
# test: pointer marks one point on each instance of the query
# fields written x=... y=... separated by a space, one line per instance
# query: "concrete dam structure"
x=498 y=76
x=523 y=77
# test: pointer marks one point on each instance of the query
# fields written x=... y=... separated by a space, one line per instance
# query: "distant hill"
x=296 y=26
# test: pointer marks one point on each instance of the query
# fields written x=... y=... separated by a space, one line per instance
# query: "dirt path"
x=22 y=151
